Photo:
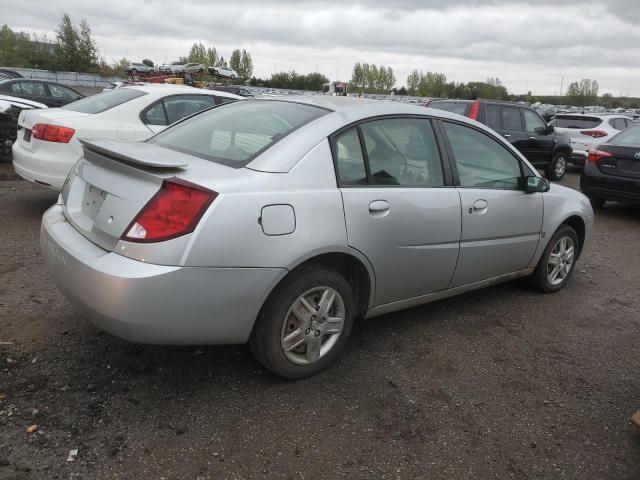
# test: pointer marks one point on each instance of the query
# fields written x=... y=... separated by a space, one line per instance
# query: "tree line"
x=372 y=78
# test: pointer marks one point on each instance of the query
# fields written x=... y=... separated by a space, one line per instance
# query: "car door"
x=540 y=143
x=501 y=224
x=512 y=127
x=399 y=210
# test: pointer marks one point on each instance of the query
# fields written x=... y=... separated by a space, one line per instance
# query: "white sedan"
x=48 y=143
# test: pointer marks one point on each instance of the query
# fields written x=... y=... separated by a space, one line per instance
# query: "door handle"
x=507 y=135
x=532 y=138
x=479 y=207
x=379 y=208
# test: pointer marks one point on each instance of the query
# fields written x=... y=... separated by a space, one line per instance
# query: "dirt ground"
x=500 y=383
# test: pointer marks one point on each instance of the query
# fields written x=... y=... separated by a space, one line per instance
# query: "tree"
x=235 y=61
x=583 y=93
x=246 y=65
x=87 y=50
x=357 y=77
x=197 y=54
x=148 y=63
x=8 y=44
x=413 y=81
x=67 y=43
x=76 y=49
x=391 y=80
x=212 y=57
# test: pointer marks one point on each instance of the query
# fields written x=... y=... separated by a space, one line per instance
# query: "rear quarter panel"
x=230 y=234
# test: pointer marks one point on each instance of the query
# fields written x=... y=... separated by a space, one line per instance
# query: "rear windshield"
x=104 y=101
x=235 y=133
x=631 y=136
x=577 y=122
x=455 y=107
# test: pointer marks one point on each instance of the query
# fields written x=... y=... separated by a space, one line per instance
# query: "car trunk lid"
x=623 y=162
x=29 y=118
x=111 y=184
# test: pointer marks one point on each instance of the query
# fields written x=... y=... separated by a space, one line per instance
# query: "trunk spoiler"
x=139 y=153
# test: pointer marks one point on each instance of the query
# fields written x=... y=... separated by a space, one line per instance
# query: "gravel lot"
x=500 y=383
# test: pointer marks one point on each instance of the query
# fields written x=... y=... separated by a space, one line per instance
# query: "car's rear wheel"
x=558 y=167
x=305 y=323
x=558 y=261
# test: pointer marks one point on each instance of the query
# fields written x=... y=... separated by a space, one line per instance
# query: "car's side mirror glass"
x=536 y=184
x=540 y=130
x=550 y=129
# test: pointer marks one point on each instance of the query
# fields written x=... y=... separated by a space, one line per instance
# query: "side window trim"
x=443 y=156
x=143 y=113
x=454 y=166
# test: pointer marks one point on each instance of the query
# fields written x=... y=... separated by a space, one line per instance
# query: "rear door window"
x=618 y=123
x=58 y=91
x=511 y=119
x=402 y=151
x=181 y=106
x=349 y=159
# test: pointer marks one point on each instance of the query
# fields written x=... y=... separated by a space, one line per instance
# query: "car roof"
x=167 y=88
x=341 y=112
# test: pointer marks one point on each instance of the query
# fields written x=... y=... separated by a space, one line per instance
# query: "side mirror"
x=550 y=129
x=536 y=184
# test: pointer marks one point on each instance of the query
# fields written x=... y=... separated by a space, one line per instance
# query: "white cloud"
x=528 y=45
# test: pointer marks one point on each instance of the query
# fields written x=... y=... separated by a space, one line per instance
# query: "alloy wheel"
x=312 y=325
x=560 y=167
x=560 y=261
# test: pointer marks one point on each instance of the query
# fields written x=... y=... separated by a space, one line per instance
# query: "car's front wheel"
x=558 y=167
x=558 y=261
x=305 y=323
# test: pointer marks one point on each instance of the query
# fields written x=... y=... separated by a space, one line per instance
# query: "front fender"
x=562 y=205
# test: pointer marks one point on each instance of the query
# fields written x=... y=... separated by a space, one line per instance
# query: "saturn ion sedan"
x=280 y=222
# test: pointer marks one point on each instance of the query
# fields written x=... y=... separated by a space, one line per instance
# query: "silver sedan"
x=280 y=222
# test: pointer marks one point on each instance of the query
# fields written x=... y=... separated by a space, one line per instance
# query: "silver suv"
x=279 y=222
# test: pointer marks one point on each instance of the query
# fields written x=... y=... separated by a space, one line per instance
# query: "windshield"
x=630 y=136
x=104 y=101
x=235 y=133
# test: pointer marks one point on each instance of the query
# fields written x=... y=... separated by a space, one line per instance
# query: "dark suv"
x=522 y=126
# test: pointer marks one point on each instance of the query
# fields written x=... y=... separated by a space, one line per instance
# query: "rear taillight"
x=597 y=155
x=594 y=133
x=174 y=210
x=52 y=133
x=473 y=112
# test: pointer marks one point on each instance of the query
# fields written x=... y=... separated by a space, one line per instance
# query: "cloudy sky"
x=529 y=45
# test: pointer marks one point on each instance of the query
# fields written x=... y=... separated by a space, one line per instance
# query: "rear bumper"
x=47 y=170
x=579 y=156
x=609 y=187
x=155 y=304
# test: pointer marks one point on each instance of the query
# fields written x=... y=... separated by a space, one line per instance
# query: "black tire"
x=233 y=77
x=596 y=202
x=133 y=71
x=265 y=341
x=540 y=278
x=8 y=132
x=558 y=167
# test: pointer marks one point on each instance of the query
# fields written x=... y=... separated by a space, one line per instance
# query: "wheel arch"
x=354 y=266
x=578 y=224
